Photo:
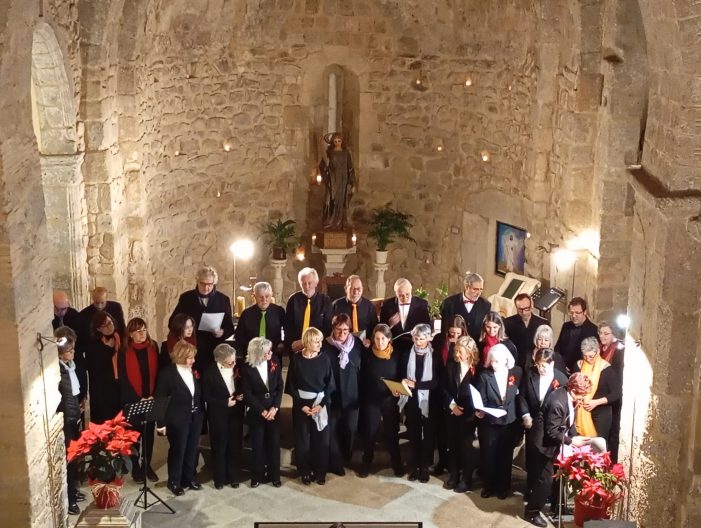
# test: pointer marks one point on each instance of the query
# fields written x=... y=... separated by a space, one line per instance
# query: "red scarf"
x=117 y=345
x=489 y=342
x=133 y=369
x=608 y=352
x=172 y=339
x=444 y=352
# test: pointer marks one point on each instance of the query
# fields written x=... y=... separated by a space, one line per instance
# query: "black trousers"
x=71 y=431
x=497 y=451
x=540 y=474
x=265 y=444
x=614 y=434
x=343 y=425
x=463 y=457
x=385 y=412
x=226 y=438
x=147 y=437
x=442 y=438
x=183 y=438
x=420 y=429
x=308 y=440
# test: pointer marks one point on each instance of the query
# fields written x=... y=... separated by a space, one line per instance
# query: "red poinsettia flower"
x=273 y=366
x=512 y=381
x=195 y=374
x=555 y=384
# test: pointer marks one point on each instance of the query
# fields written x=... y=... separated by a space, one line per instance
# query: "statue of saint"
x=336 y=169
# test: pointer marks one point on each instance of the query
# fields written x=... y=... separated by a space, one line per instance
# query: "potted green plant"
x=387 y=225
x=281 y=237
x=434 y=306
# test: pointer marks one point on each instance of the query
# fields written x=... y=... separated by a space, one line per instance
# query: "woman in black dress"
x=101 y=360
x=262 y=392
x=344 y=350
x=310 y=382
x=378 y=404
x=138 y=371
x=498 y=386
x=184 y=417
x=223 y=395
x=493 y=333
x=613 y=350
x=459 y=413
x=182 y=326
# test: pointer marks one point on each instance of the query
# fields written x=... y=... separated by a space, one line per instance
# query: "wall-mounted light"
x=299 y=253
x=354 y=239
x=56 y=341
x=485 y=156
x=227 y=146
x=318 y=179
x=587 y=240
x=438 y=145
x=468 y=80
x=564 y=258
x=623 y=321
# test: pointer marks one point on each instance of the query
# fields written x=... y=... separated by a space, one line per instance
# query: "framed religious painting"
x=510 y=249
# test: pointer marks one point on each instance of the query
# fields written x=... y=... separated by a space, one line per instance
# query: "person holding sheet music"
x=498 y=387
x=421 y=375
x=206 y=299
x=311 y=383
x=402 y=313
x=184 y=417
x=378 y=404
x=223 y=395
x=138 y=370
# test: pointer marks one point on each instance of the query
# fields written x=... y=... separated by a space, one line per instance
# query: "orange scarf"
x=383 y=354
x=585 y=422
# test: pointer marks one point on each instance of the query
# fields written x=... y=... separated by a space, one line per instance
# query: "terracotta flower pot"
x=106 y=494
x=586 y=512
x=279 y=253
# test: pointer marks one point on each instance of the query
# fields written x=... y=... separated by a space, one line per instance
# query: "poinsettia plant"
x=103 y=449
x=593 y=477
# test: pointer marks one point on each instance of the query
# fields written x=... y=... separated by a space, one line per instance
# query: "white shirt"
x=543 y=385
x=263 y=371
x=403 y=312
x=570 y=408
x=502 y=378
x=227 y=374
x=468 y=305
x=464 y=368
x=188 y=378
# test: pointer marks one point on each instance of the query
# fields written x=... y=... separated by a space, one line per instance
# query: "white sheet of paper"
x=211 y=322
x=479 y=405
x=362 y=335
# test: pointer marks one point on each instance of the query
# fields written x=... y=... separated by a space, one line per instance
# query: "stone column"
x=278 y=266
x=65 y=224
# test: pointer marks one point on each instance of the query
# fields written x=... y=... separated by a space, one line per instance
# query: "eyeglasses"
x=342 y=329
x=575 y=313
x=526 y=309
x=210 y=284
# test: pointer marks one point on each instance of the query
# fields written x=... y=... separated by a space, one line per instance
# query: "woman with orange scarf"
x=377 y=402
x=101 y=361
x=594 y=417
x=138 y=369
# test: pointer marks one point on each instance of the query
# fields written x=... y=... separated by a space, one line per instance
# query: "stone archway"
x=54 y=121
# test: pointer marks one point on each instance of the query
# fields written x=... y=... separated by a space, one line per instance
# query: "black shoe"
x=321 y=481
x=306 y=480
x=194 y=485
x=451 y=483
x=414 y=475
x=137 y=476
x=341 y=472
x=502 y=495
x=536 y=520
x=438 y=470
x=219 y=486
x=73 y=509
x=485 y=494
x=235 y=485
x=364 y=471
x=423 y=476
x=276 y=483
x=255 y=483
x=176 y=490
x=151 y=474
x=399 y=469
x=462 y=487
x=80 y=496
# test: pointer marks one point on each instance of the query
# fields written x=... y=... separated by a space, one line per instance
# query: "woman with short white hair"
x=544 y=338
x=498 y=385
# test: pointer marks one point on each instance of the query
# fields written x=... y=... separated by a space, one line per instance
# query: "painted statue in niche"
x=336 y=169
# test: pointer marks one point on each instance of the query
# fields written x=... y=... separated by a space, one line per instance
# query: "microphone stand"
x=561 y=488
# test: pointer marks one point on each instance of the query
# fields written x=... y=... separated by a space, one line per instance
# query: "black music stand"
x=141 y=413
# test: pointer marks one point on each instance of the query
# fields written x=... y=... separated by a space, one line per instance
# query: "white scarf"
x=426 y=375
x=75 y=384
x=322 y=417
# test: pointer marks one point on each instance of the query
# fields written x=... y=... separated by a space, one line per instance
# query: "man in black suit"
x=469 y=304
x=402 y=313
x=558 y=415
x=520 y=328
x=358 y=308
x=99 y=303
x=263 y=319
x=306 y=308
x=205 y=298
x=574 y=331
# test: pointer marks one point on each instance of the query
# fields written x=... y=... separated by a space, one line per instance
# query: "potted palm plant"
x=387 y=225
x=281 y=237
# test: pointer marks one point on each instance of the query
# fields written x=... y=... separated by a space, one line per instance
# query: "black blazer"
x=458 y=390
x=248 y=327
x=321 y=314
x=454 y=305
x=489 y=390
x=216 y=394
x=417 y=314
x=367 y=316
x=347 y=380
x=556 y=428
x=182 y=402
x=257 y=396
x=113 y=308
x=569 y=346
x=189 y=303
x=522 y=336
x=529 y=397
x=69 y=404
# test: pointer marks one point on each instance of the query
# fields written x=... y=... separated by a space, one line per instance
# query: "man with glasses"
x=521 y=327
x=573 y=332
x=358 y=308
x=470 y=304
x=205 y=298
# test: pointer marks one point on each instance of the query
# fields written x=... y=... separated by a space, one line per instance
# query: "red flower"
x=555 y=384
x=195 y=374
x=237 y=373
x=512 y=381
x=273 y=366
x=472 y=370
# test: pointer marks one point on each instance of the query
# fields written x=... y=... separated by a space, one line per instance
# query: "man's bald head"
x=61 y=303
x=99 y=297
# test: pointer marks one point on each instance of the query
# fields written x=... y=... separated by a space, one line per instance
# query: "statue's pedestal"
x=335 y=259
x=278 y=266
x=380 y=285
x=126 y=515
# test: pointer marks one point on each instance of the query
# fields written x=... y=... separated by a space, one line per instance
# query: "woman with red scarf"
x=138 y=369
x=101 y=360
x=613 y=350
x=492 y=334
x=182 y=326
